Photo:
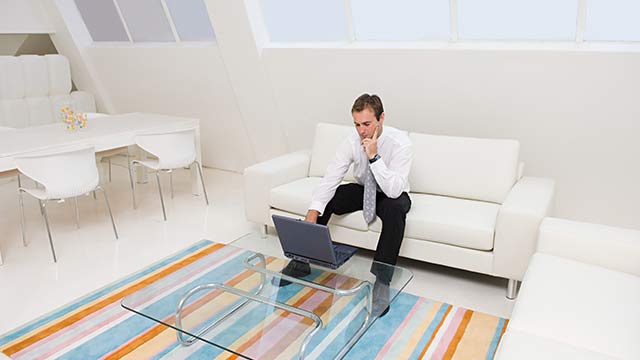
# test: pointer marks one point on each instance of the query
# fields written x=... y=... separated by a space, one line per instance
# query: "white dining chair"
x=62 y=174
x=172 y=150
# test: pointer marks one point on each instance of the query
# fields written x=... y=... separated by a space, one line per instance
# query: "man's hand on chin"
x=312 y=216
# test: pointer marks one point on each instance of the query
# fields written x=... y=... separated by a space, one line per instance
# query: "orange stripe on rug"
x=109 y=300
x=453 y=345
x=435 y=331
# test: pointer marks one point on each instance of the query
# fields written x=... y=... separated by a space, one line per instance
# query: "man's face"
x=365 y=122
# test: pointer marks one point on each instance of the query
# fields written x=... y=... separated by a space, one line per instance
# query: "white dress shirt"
x=391 y=171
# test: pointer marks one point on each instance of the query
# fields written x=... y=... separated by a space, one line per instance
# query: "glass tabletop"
x=233 y=296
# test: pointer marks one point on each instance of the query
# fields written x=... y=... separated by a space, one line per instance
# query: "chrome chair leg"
x=109 y=161
x=75 y=205
x=204 y=189
x=94 y=194
x=106 y=201
x=171 y=182
x=22 y=222
x=43 y=210
x=164 y=213
x=133 y=190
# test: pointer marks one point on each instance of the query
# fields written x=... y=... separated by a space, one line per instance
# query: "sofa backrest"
x=470 y=168
x=326 y=140
x=33 y=89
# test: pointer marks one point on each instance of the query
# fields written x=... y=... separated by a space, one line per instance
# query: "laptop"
x=311 y=243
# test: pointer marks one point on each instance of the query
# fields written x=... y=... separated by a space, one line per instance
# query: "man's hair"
x=371 y=102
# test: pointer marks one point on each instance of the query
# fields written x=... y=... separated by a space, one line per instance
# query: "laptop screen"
x=304 y=239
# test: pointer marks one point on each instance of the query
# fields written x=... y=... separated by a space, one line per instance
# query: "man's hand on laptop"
x=312 y=216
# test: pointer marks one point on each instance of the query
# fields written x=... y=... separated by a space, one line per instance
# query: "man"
x=381 y=156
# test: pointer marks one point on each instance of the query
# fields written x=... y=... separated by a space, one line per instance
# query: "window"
x=612 y=20
x=102 y=20
x=306 y=20
x=146 y=20
x=405 y=20
x=517 y=19
x=191 y=20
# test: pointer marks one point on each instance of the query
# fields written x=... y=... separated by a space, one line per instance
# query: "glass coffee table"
x=230 y=297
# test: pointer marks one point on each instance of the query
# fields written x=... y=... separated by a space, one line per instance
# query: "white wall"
x=576 y=113
x=249 y=80
x=187 y=81
x=23 y=17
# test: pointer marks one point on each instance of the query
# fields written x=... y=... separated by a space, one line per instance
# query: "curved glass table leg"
x=248 y=296
x=367 y=286
x=185 y=297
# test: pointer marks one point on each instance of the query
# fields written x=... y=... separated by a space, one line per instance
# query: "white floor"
x=31 y=284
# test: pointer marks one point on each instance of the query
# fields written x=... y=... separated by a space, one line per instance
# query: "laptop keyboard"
x=340 y=254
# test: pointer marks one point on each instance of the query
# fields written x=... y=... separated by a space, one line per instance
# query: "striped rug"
x=97 y=327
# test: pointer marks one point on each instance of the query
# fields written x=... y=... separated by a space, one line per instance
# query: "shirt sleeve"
x=333 y=176
x=392 y=175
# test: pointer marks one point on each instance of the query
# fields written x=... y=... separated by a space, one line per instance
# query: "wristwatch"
x=374 y=159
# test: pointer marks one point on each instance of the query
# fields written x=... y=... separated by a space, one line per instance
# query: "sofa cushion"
x=36 y=76
x=480 y=169
x=518 y=345
x=12 y=85
x=583 y=305
x=59 y=74
x=459 y=222
x=295 y=198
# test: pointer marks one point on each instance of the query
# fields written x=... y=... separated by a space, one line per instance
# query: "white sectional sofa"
x=580 y=297
x=471 y=207
x=33 y=89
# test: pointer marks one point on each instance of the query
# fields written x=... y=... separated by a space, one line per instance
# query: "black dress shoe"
x=294 y=268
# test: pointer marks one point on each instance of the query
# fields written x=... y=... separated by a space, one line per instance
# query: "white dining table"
x=104 y=133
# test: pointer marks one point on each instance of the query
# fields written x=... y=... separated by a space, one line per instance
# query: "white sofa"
x=471 y=207
x=33 y=89
x=580 y=297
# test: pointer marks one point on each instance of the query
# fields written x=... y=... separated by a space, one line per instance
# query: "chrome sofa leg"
x=264 y=229
x=512 y=289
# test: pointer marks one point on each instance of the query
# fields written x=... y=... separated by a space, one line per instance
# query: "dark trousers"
x=392 y=212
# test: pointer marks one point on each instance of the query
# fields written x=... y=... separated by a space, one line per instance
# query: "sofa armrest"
x=260 y=178
x=519 y=218
x=610 y=247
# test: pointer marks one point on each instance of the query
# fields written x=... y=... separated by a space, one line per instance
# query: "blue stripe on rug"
x=496 y=339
